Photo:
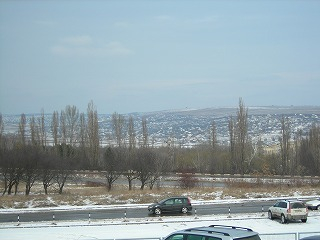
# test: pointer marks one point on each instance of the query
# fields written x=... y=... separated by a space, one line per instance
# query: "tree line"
x=27 y=156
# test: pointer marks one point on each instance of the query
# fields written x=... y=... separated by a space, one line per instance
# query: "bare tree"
x=131 y=133
x=296 y=167
x=314 y=138
x=213 y=135
x=284 y=140
x=232 y=140
x=34 y=132
x=242 y=135
x=22 y=129
x=118 y=122
x=63 y=127
x=93 y=135
x=31 y=163
x=112 y=165
x=130 y=155
x=64 y=164
x=12 y=168
x=83 y=138
x=144 y=165
x=145 y=134
x=55 y=127
x=47 y=171
x=72 y=123
x=160 y=165
x=42 y=130
x=1 y=131
x=239 y=140
x=213 y=147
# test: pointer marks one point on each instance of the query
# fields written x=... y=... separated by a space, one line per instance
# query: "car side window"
x=283 y=205
x=178 y=201
x=176 y=237
x=195 y=237
x=169 y=202
x=277 y=204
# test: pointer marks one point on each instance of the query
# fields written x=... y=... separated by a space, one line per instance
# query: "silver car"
x=288 y=210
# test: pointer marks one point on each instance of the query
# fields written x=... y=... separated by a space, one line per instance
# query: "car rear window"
x=297 y=205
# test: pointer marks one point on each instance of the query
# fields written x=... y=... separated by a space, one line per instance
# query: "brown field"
x=97 y=194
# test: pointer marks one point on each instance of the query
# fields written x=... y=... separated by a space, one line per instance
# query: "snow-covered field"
x=154 y=227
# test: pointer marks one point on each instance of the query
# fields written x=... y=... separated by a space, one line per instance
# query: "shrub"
x=187 y=180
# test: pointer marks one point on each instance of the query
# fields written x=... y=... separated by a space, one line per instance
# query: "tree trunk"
x=61 y=188
x=45 y=186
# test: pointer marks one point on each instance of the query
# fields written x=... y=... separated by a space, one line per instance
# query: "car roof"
x=173 y=197
x=214 y=230
x=290 y=201
x=165 y=199
x=316 y=237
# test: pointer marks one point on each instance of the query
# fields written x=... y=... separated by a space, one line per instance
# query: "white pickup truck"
x=288 y=210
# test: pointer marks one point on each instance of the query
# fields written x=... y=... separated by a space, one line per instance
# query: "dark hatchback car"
x=171 y=205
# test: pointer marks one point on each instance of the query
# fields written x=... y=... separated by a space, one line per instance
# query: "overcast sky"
x=140 y=56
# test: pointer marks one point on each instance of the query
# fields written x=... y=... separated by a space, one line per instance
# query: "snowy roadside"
x=124 y=206
x=149 y=227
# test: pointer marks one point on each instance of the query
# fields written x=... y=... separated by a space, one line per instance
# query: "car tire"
x=304 y=220
x=270 y=216
x=184 y=210
x=283 y=219
x=157 y=211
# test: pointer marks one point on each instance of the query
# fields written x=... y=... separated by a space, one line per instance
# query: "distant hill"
x=189 y=127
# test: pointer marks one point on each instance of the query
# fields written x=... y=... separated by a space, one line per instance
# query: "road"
x=132 y=212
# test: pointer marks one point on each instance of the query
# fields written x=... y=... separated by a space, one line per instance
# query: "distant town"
x=190 y=127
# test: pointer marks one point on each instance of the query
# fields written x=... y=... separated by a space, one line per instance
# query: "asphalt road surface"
x=85 y=215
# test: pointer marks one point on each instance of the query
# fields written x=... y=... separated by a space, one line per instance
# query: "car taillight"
x=189 y=202
x=289 y=209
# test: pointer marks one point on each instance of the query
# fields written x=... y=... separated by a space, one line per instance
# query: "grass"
x=97 y=194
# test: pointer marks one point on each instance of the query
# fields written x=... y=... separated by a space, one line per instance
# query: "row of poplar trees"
x=74 y=144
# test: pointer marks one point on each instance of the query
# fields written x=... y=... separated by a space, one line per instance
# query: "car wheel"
x=283 y=219
x=157 y=211
x=184 y=210
x=270 y=215
x=303 y=220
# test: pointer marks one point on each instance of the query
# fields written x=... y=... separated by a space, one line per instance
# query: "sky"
x=144 y=56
